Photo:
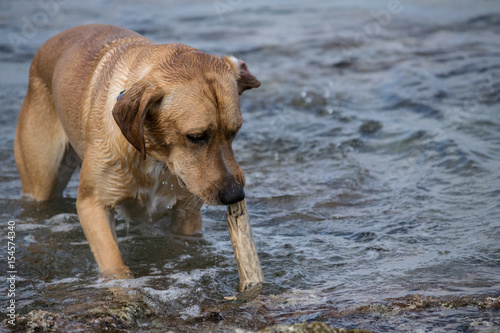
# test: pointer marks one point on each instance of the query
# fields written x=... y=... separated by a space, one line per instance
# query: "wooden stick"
x=247 y=259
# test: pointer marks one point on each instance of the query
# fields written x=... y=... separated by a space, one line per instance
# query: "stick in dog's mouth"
x=245 y=253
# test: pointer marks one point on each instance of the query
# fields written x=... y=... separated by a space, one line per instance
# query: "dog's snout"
x=231 y=194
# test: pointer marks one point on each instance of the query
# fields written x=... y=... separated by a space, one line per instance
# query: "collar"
x=121 y=94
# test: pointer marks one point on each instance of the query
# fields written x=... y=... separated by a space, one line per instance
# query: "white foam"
x=136 y=283
x=165 y=296
x=192 y=311
x=192 y=278
x=61 y=218
x=29 y=239
x=64 y=228
x=64 y=281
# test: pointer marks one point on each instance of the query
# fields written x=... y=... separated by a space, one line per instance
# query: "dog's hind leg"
x=44 y=158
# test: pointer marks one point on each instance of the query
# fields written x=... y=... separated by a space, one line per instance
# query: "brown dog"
x=151 y=126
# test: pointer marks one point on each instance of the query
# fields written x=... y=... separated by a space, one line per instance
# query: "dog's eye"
x=201 y=138
x=233 y=134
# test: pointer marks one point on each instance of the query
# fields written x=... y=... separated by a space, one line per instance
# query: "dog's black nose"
x=231 y=194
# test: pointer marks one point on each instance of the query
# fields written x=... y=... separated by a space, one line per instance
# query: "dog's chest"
x=156 y=194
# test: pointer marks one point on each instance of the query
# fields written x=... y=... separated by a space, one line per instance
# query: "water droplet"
x=171 y=187
x=327 y=93
x=163 y=182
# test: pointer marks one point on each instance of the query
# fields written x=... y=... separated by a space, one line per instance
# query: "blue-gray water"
x=372 y=158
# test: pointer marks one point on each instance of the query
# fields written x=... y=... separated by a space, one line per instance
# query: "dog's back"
x=50 y=137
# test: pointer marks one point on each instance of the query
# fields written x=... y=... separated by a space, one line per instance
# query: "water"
x=372 y=157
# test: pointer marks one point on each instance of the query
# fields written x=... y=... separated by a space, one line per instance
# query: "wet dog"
x=150 y=125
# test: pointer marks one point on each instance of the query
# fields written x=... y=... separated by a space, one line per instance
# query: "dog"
x=151 y=127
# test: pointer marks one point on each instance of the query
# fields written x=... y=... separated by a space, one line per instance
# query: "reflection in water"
x=371 y=162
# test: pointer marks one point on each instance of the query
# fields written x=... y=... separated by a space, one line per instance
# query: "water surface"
x=372 y=158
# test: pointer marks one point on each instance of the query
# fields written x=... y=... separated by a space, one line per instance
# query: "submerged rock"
x=313 y=327
x=370 y=127
x=114 y=317
x=256 y=315
x=37 y=321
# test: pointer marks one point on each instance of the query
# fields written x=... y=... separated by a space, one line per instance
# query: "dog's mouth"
x=207 y=201
x=181 y=182
x=216 y=196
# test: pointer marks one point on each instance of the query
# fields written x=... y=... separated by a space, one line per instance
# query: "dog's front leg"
x=187 y=218
x=98 y=225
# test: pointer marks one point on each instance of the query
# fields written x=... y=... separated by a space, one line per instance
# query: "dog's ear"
x=246 y=80
x=131 y=109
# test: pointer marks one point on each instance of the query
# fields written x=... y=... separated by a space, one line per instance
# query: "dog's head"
x=185 y=112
